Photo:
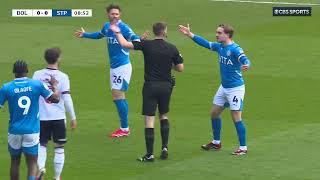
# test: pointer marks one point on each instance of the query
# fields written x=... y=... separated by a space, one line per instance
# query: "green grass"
x=280 y=105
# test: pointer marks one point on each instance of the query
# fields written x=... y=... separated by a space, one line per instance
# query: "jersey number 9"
x=24 y=102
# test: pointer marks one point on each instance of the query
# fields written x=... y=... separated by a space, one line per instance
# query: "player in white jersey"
x=53 y=116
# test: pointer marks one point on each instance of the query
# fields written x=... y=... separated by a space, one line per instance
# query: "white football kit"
x=230 y=96
x=55 y=111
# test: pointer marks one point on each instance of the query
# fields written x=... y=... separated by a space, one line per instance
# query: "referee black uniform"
x=159 y=58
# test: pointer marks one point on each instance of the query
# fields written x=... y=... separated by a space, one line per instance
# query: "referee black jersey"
x=159 y=56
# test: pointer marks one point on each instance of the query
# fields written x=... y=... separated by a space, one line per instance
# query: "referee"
x=159 y=58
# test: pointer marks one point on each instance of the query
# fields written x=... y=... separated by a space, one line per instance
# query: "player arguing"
x=120 y=66
x=23 y=95
x=53 y=116
x=233 y=61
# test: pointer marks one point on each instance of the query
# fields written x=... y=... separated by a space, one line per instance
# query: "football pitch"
x=282 y=91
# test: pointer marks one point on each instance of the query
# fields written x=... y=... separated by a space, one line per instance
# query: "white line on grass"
x=268 y=2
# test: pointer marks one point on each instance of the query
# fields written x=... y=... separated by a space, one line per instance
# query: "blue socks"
x=31 y=178
x=122 y=107
x=216 y=128
x=241 y=131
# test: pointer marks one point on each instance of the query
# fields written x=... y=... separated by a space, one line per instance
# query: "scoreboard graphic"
x=51 y=12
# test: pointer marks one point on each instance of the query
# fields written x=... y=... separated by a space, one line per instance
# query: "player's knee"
x=117 y=94
x=15 y=160
x=59 y=145
x=216 y=111
x=31 y=160
x=214 y=114
x=43 y=144
x=149 y=121
x=236 y=116
x=163 y=117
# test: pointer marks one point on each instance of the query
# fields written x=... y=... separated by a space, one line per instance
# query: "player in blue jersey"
x=23 y=95
x=232 y=61
x=120 y=66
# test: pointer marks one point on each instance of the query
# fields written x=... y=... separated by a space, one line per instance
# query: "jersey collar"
x=21 y=79
x=51 y=68
x=119 y=21
x=224 y=46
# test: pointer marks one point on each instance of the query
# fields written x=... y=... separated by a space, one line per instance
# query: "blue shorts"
x=26 y=150
x=23 y=143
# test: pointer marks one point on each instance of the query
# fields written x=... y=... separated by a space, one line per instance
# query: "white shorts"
x=232 y=97
x=120 y=77
x=27 y=143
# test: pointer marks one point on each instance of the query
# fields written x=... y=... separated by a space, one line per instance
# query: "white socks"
x=125 y=129
x=58 y=161
x=42 y=156
x=216 y=141
x=243 y=148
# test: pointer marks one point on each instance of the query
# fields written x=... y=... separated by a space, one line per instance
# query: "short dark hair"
x=113 y=6
x=20 y=68
x=159 y=28
x=227 y=29
x=51 y=55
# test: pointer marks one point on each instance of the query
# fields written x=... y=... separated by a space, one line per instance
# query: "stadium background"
x=282 y=90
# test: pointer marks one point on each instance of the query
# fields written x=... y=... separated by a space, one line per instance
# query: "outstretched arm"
x=197 y=39
x=83 y=34
x=122 y=41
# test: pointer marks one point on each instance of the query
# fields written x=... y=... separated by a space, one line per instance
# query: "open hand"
x=79 y=33
x=114 y=28
x=185 y=30
x=73 y=124
x=53 y=81
x=145 y=35
x=245 y=67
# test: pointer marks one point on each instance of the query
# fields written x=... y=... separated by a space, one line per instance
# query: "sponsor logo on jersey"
x=224 y=60
x=112 y=40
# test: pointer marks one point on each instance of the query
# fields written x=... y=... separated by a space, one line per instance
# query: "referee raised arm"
x=159 y=58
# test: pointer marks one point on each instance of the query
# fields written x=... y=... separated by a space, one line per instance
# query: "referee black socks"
x=149 y=137
x=164 y=124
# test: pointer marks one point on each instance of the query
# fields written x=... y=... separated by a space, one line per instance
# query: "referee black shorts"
x=53 y=129
x=156 y=94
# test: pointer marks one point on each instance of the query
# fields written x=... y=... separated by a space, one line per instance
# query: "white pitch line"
x=267 y=2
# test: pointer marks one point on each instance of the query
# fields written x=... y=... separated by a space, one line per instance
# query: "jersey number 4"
x=235 y=99
x=24 y=102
